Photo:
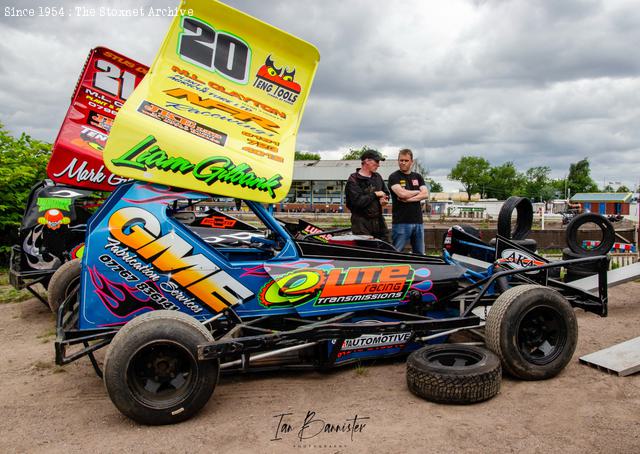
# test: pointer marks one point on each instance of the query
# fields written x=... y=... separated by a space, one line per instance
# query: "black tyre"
x=608 y=234
x=64 y=281
x=528 y=244
x=574 y=275
x=151 y=369
x=533 y=330
x=454 y=374
x=524 y=221
x=580 y=268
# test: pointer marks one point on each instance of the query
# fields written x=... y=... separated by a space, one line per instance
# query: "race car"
x=176 y=310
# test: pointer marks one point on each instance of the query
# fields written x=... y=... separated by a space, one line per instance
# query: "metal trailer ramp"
x=614 y=277
x=622 y=359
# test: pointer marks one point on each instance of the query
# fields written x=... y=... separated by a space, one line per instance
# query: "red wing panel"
x=107 y=80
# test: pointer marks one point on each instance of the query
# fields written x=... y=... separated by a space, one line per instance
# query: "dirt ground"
x=49 y=409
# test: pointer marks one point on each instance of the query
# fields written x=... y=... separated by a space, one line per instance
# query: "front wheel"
x=151 y=370
x=533 y=330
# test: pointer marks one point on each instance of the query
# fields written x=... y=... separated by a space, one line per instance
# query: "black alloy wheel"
x=162 y=374
x=541 y=335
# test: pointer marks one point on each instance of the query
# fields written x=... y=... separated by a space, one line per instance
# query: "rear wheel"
x=64 y=281
x=454 y=373
x=151 y=370
x=533 y=330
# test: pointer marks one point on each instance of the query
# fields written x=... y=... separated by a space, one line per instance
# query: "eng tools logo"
x=277 y=82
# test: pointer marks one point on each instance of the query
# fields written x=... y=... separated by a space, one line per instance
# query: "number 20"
x=214 y=51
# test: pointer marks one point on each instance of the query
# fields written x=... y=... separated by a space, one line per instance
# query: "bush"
x=23 y=162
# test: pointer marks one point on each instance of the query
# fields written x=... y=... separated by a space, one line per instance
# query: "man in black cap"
x=366 y=194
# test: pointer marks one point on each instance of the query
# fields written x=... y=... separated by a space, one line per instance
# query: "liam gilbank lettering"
x=214 y=169
x=313 y=426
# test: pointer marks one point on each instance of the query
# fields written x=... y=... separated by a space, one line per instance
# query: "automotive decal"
x=137 y=236
x=372 y=342
x=337 y=286
x=198 y=122
x=54 y=219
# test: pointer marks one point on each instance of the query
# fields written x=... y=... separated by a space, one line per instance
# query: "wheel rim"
x=541 y=335
x=162 y=374
x=453 y=357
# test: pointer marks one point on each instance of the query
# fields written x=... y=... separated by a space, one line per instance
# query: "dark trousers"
x=375 y=227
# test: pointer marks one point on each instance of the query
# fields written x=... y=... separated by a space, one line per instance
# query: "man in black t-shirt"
x=407 y=190
x=366 y=194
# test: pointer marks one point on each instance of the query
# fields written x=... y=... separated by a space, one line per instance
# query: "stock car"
x=175 y=310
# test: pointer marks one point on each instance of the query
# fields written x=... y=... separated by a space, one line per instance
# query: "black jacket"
x=360 y=194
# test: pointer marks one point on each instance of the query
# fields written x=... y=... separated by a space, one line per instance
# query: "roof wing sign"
x=107 y=80
x=220 y=108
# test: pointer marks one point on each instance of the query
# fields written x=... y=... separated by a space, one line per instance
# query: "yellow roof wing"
x=220 y=108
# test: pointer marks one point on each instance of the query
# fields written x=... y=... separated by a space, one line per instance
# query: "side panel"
x=138 y=259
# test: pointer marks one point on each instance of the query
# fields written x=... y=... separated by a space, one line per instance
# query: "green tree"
x=306 y=156
x=23 y=162
x=537 y=184
x=608 y=188
x=433 y=185
x=504 y=181
x=472 y=172
x=354 y=154
x=623 y=188
x=579 y=178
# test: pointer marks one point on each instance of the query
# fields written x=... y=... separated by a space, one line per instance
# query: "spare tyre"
x=454 y=373
x=524 y=221
x=606 y=242
x=529 y=244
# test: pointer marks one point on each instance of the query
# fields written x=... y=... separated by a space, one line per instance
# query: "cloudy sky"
x=544 y=82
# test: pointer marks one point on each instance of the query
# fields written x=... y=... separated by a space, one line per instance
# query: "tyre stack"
x=575 y=250
x=518 y=233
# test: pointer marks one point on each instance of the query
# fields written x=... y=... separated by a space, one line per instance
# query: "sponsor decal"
x=100 y=121
x=147 y=155
x=54 y=219
x=277 y=82
x=236 y=113
x=517 y=259
x=48 y=203
x=80 y=171
x=338 y=286
x=183 y=123
x=221 y=92
x=195 y=274
x=219 y=222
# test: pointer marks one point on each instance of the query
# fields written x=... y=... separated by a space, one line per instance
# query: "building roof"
x=619 y=197
x=336 y=169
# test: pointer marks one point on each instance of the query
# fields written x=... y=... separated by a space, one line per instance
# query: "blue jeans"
x=404 y=233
